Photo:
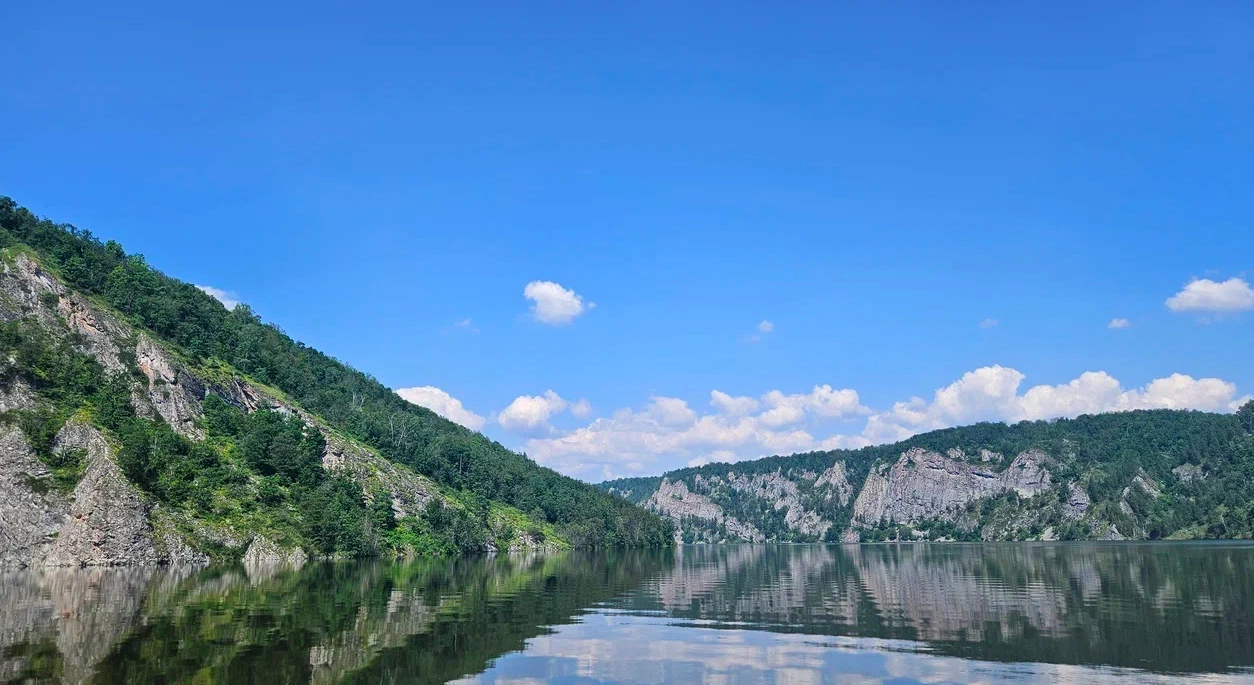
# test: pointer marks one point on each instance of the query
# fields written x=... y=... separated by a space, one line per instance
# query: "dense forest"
x=1198 y=469
x=203 y=331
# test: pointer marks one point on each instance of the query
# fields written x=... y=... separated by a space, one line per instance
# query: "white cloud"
x=554 y=305
x=228 y=299
x=991 y=394
x=822 y=401
x=1179 y=391
x=766 y=326
x=671 y=411
x=732 y=406
x=443 y=404
x=581 y=409
x=528 y=412
x=1205 y=295
x=739 y=428
x=1118 y=322
x=667 y=433
x=989 y=323
x=532 y=412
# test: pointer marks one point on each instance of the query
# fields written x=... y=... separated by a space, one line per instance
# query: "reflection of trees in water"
x=426 y=621
x=1175 y=607
x=1184 y=608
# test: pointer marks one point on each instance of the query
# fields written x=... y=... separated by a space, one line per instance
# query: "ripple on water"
x=1090 y=613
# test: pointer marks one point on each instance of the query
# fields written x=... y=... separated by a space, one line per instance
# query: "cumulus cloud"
x=732 y=406
x=554 y=305
x=766 y=326
x=667 y=433
x=671 y=411
x=581 y=409
x=228 y=299
x=992 y=393
x=822 y=401
x=739 y=427
x=989 y=323
x=1205 y=295
x=532 y=412
x=1118 y=323
x=1179 y=391
x=443 y=404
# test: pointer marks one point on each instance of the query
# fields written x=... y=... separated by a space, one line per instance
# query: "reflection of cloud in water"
x=919 y=613
x=736 y=614
x=622 y=648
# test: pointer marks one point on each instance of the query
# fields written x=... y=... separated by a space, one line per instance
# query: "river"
x=913 y=613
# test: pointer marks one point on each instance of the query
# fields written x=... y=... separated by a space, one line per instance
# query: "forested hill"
x=1139 y=475
x=234 y=357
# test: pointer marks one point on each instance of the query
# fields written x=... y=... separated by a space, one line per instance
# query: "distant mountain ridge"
x=1147 y=474
x=141 y=422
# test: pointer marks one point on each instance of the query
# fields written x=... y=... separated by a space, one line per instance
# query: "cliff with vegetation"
x=141 y=422
x=1133 y=475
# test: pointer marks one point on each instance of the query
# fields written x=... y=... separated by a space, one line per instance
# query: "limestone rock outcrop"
x=108 y=521
x=674 y=499
x=925 y=485
x=31 y=514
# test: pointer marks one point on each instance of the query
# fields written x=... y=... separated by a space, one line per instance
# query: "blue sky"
x=918 y=197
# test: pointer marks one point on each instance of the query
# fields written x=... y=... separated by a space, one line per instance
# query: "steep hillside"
x=1136 y=475
x=141 y=422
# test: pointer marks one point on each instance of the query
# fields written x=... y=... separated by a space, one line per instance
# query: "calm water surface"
x=941 y=613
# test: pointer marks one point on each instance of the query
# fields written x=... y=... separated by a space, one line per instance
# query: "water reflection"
x=1168 y=607
x=720 y=614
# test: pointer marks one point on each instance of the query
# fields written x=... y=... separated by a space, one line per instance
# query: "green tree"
x=1246 y=416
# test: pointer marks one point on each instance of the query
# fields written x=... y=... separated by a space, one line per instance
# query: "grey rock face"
x=1112 y=533
x=675 y=500
x=1143 y=481
x=17 y=397
x=783 y=493
x=104 y=522
x=924 y=485
x=1188 y=472
x=23 y=286
x=836 y=479
x=410 y=492
x=29 y=519
x=1077 y=502
x=108 y=523
x=174 y=392
x=243 y=395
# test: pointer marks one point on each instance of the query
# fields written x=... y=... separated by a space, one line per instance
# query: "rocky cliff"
x=675 y=500
x=85 y=511
x=1133 y=475
x=925 y=485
